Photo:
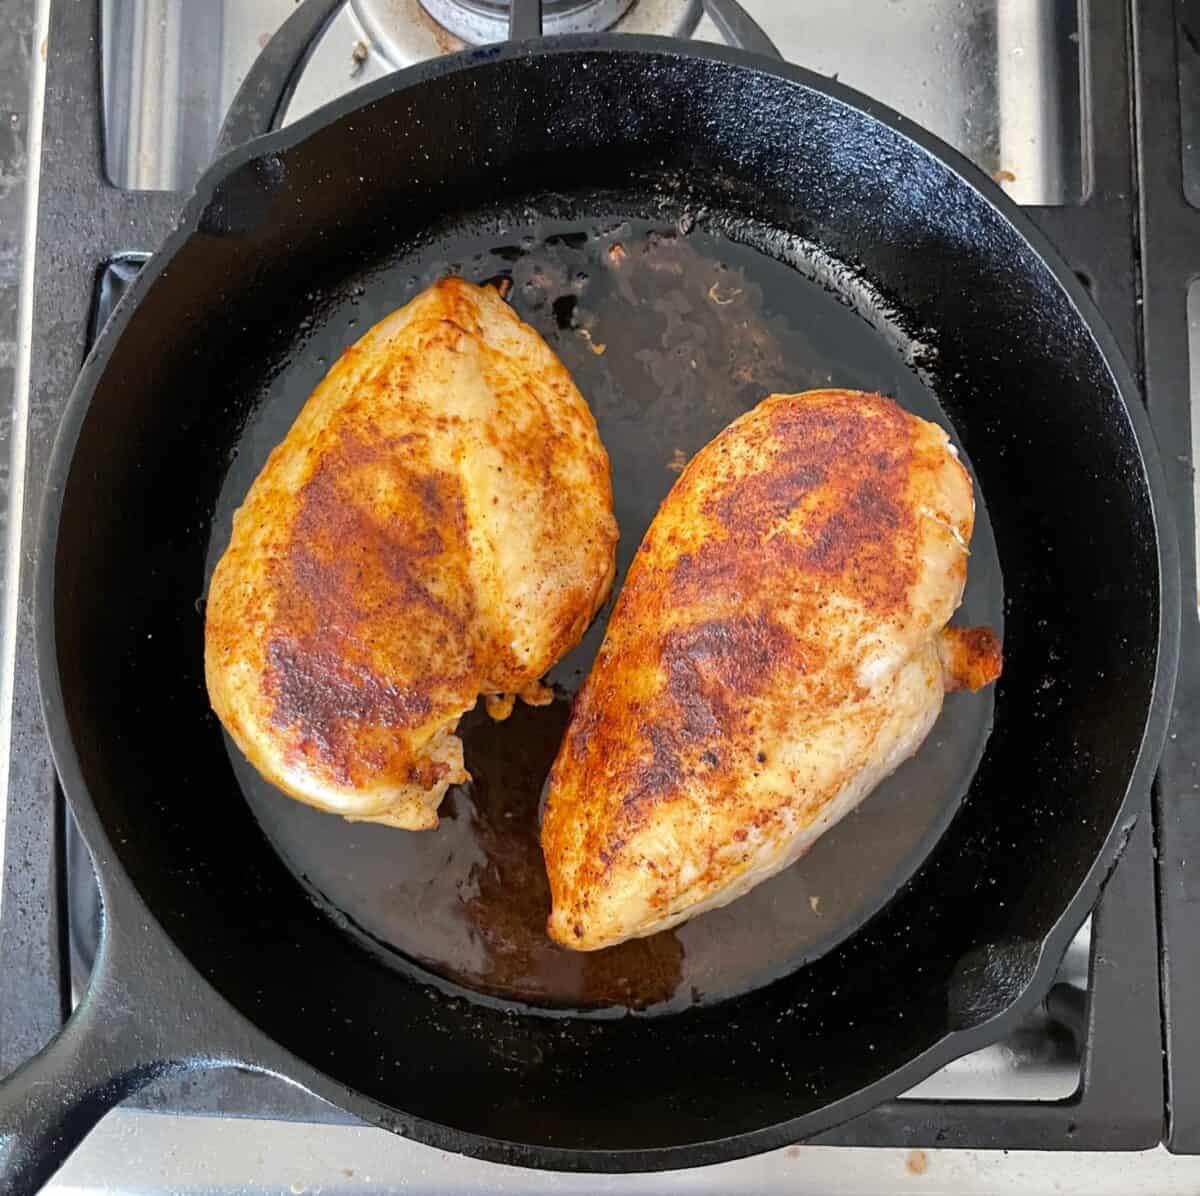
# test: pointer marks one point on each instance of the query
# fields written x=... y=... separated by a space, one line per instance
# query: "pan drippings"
x=671 y=329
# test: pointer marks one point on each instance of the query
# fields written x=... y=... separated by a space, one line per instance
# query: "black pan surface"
x=865 y=254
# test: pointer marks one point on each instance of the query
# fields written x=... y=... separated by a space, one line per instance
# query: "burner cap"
x=407 y=31
x=482 y=21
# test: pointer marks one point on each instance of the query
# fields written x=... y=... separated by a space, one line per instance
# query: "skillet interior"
x=281 y=244
x=672 y=328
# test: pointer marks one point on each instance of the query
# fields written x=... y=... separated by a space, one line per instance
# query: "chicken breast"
x=436 y=525
x=779 y=647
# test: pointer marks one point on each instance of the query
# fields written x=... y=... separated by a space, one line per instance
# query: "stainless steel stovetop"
x=998 y=79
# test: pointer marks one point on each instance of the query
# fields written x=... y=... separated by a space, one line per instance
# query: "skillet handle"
x=107 y=1050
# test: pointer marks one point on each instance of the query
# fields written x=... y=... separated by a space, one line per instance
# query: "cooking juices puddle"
x=671 y=331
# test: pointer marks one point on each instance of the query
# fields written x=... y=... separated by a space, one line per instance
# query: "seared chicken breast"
x=437 y=525
x=779 y=647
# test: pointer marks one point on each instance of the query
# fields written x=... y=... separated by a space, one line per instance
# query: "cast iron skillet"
x=861 y=248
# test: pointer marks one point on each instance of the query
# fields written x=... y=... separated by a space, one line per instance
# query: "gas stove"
x=1072 y=115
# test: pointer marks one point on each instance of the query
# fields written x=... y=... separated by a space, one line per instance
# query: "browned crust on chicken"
x=437 y=524
x=971 y=657
x=806 y=558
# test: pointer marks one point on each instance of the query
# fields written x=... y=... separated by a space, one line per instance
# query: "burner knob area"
x=480 y=22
